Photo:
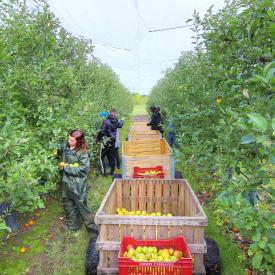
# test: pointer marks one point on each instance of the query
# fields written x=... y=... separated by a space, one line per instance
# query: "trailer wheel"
x=178 y=175
x=212 y=259
x=92 y=258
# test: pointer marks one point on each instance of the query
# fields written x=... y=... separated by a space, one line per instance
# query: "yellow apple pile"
x=152 y=172
x=152 y=254
x=69 y=164
x=124 y=212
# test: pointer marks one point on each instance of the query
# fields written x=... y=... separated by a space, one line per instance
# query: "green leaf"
x=257 y=237
x=262 y=244
x=273 y=123
x=3 y=226
x=40 y=204
x=247 y=139
x=259 y=122
x=271 y=73
x=272 y=248
x=257 y=259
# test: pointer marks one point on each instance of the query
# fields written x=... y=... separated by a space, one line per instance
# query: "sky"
x=121 y=31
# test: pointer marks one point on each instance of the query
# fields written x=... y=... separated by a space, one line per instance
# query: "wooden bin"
x=141 y=118
x=143 y=134
x=140 y=126
x=147 y=153
x=151 y=195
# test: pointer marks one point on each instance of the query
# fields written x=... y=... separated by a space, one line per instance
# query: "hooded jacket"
x=109 y=129
x=155 y=121
x=74 y=179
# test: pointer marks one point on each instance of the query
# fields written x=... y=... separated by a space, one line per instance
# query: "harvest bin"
x=147 y=153
x=143 y=134
x=141 y=118
x=140 y=126
x=151 y=195
x=180 y=267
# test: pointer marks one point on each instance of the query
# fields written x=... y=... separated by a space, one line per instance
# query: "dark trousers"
x=78 y=212
x=108 y=152
x=117 y=160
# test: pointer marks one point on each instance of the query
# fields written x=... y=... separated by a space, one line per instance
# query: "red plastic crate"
x=139 y=172
x=183 y=266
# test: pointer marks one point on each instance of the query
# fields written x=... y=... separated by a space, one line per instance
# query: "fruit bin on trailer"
x=151 y=195
x=147 y=153
x=140 y=118
x=143 y=134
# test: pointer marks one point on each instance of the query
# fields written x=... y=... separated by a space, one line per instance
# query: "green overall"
x=74 y=188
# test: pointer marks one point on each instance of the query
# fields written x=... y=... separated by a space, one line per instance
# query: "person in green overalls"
x=74 y=166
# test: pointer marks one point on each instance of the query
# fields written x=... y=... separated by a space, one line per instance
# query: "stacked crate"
x=152 y=195
x=147 y=153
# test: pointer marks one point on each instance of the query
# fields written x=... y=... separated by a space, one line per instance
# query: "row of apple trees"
x=50 y=83
x=221 y=101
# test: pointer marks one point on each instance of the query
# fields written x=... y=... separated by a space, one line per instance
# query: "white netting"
x=126 y=33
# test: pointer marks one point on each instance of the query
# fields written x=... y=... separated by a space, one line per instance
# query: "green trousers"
x=77 y=212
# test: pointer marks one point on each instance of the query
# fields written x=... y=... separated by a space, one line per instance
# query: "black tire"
x=92 y=258
x=116 y=176
x=212 y=259
x=178 y=175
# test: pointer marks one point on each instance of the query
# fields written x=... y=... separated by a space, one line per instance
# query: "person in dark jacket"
x=159 y=114
x=155 y=119
x=107 y=137
x=75 y=166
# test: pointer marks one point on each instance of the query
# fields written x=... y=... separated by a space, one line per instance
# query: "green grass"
x=139 y=110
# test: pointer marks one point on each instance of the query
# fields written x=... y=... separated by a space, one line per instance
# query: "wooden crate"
x=140 y=126
x=143 y=134
x=147 y=153
x=144 y=118
x=165 y=196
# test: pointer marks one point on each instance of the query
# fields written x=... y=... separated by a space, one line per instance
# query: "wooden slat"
x=142 y=196
x=175 y=231
x=158 y=196
x=150 y=232
x=119 y=193
x=111 y=203
x=198 y=264
x=115 y=246
x=113 y=232
x=138 y=232
x=103 y=232
x=126 y=194
x=174 y=198
x=150 y=196
x=134 y=197
x=198 y=234
x=113 y=258
x=106 y=271
x=105 y=199
x=103 y=259
x=181 y=200
x=188 y=233
x=166 y=199
x=126 y=230
x=175 y=220
x=162 y=232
